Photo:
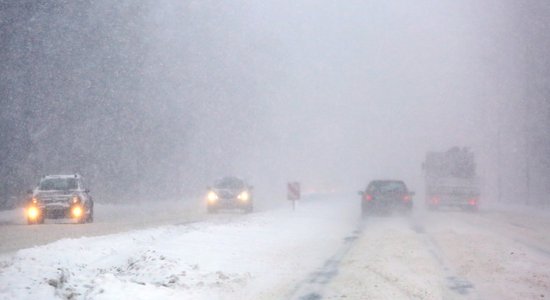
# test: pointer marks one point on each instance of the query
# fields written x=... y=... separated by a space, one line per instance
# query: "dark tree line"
x=94 y=87
x=69 y=83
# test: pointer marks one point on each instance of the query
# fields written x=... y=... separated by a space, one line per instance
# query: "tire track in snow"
x=312 y=287
x=458 y=286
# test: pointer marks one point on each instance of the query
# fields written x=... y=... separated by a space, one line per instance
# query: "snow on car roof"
x=62 y=176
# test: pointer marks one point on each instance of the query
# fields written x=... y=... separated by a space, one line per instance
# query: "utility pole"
x=499 y=162
x=528 y=93
x=527 y=154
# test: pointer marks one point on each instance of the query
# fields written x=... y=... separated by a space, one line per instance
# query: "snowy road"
x=321 y=251
x=15 y=234
x=447 y=255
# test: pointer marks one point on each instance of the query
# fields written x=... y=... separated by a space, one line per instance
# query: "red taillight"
x=435 y=200
x=472 y=202
x=406 y=198
x=368 y=197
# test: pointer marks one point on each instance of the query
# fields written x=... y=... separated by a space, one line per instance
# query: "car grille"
x=56 y=213
x=226 y=194
x=53 y=198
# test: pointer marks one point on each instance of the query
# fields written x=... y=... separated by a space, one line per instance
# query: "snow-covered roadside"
x=12 y=216
x=521 y=208
x=109 y=219
x=505 y=255
x=262 y=255
x=121 y=212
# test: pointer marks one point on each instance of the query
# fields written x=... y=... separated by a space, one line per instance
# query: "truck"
x=451 y=180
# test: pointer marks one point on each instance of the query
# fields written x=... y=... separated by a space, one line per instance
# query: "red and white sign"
x=293 y=192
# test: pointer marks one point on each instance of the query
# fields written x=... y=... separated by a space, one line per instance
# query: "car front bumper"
x=230 y=203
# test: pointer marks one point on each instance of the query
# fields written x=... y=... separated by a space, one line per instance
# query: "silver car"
x=229 y=193
x=60 y=196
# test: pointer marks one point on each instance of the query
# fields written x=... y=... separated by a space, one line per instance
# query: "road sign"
x=293 y=191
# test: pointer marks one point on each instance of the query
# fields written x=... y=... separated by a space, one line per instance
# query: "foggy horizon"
x=164 y=97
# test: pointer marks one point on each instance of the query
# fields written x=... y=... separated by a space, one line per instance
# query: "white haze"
x=328 y=93
x=340 y=92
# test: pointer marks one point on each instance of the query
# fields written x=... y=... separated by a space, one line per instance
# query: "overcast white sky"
x=348 y=91
x=331 y=93
x=361 y=89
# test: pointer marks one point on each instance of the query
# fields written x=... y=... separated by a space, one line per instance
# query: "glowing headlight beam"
x=33 y=212
x=212 y=197
x=76 y=211
x=244 y=196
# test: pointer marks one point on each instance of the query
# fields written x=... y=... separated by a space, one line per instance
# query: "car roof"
x=386 y=180
x=225 y=178
x=61 y=176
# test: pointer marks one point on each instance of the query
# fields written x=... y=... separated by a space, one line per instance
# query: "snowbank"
x=229 y=256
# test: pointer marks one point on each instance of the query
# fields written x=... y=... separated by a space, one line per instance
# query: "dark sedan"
x=385 y=196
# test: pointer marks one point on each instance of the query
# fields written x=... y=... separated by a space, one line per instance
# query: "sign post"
x=293 y=193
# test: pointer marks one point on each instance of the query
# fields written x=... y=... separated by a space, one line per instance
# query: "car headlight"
x=212 y=197
x=76 y=211
x=33 y=212
x=244 y=196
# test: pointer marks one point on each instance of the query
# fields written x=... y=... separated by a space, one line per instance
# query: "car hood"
x=47 y=197
x=228 y=193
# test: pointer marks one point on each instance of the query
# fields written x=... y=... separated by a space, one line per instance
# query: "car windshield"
x=389 y=187
x=52 y=184
x=229 y=183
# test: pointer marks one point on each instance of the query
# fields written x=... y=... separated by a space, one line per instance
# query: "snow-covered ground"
x=261 y=255
x=447 y=255
x=109 y=218
x=321 y=250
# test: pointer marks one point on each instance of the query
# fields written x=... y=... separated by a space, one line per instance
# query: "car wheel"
x=212 y=210
x=472 y=208
x=248 y=209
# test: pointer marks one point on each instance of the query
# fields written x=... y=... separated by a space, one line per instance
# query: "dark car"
x=385 y=196
x=229 y=193
x=60 y=196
